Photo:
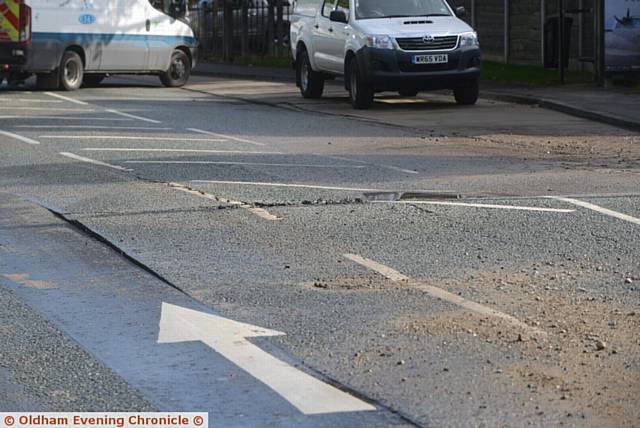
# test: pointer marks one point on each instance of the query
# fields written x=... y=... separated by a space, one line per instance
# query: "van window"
x=327 y=7
x=372 y=9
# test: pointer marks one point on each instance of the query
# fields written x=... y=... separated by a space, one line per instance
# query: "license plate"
x=431 y=59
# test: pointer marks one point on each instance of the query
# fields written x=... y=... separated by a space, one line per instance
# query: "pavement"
x=613 y=106
x=426 y=264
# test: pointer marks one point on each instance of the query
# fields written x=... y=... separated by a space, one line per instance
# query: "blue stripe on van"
x=105 y=38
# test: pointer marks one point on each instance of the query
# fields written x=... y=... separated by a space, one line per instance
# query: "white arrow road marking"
x=597 y=208
x=229 y=338
x=439 y=293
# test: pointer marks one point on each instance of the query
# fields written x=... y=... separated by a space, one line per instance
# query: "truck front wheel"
x=71 y=71
x=178 y=72
x=360 y=91
x=467 y=93
x=311 y=82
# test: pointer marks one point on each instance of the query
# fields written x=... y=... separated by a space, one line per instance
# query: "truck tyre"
x=178 y=72
x=71 y=71
x=48 y=81
x=311 y=82
x=360 y=92
x=93 y=80
x=467 y=93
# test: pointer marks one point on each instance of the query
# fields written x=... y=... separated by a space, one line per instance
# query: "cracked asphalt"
x=241 y=198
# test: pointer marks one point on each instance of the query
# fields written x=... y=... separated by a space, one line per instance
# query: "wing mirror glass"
x=338 y=16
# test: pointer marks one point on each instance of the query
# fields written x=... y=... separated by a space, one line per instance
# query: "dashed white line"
x=115 y=149
x=131 y=128
x=132 y=116
x=301 y=186
x=292 y=165
x=228 y=137
x=122 y=137
x=27 y=100
x=597 y=208
x=471 y=205
x=88 y=110
x=93 y=161
x=62 y=97
x=19 y=138
x=391 y=167
x=87 y=118
x=260 y=212
x=439 y=293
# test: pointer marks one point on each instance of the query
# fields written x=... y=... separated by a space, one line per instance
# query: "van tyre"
x=360 y=91
x=178 y=72
x=311 y=82
x=71 y=71
x=467 y=93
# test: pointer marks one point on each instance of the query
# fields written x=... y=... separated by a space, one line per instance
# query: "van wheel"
x=93 y=80
x=311 y=82
x=71 y=71
x=361 y=92
x=467 y=93
x=178 y=72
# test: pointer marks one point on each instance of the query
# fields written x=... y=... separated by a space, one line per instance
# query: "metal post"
x=473 y=13
x=245 y=28
x=561 y=50
x=543 y=18
x=600 y=48
x=506 y=31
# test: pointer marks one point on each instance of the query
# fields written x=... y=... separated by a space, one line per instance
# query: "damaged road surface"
x=277 y=264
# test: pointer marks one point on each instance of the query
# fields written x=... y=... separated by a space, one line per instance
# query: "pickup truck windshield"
x=372 y=9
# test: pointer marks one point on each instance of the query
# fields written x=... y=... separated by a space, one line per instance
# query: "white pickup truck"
x=384 y=45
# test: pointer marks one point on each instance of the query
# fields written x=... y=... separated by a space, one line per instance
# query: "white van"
x=70 y=42
x=384 y=45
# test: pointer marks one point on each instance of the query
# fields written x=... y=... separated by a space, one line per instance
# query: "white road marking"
x=440 y=293
x=133 y=116
x=296 y=165
x=122 y=137
x=93 y=161
x=115 y=149
x=47 y=109
x=309 y=395
x=597 y=208
x=133 y=128
x=391 y=167
x=260 y=212
x=470 y=205
x=228 y=137
x=19 y=138
x=301 y=186
x=93 y=119
x=27 y=100
x=62 y=97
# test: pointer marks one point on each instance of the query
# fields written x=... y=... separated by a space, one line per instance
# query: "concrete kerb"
x=288 y=75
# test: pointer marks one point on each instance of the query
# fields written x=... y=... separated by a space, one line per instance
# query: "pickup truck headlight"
x=380 y=42
x=469 y=40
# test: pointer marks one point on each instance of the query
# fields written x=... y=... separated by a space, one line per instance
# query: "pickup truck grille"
x=419 y=43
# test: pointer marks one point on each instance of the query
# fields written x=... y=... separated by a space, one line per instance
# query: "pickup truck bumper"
x=393 y=70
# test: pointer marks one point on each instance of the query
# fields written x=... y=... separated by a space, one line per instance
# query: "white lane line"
x=597 y=208
x=228 y=137
x=301 y=186
x=27 y=100
x=19 y=137
x=93 y=161
x=115 y=149
x=121 y=137
x=391 y=167
x=132 y=128
x=260 y=212
x=88 y=110
x=62 y=97
x=491 y=206
x=439 y=293
x=296 y=165
x=88 y=118
x=133 y=116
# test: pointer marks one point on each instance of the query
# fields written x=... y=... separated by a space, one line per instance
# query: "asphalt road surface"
x=229 y=247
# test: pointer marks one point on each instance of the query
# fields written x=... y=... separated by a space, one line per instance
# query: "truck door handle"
x=147 y=24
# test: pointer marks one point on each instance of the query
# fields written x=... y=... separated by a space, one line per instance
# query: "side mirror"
x=338 y=16
x=461 y=12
